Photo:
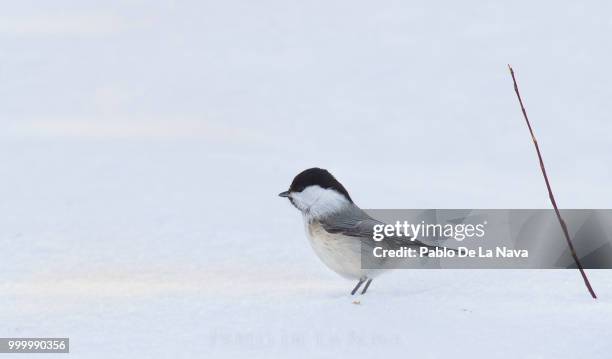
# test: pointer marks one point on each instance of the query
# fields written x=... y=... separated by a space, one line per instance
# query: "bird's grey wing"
x=355 y=222
x=352 y=222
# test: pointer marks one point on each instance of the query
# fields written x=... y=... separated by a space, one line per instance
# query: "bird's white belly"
x=340 y=253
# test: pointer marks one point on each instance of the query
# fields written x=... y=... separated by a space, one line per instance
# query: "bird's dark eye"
x=298 y=188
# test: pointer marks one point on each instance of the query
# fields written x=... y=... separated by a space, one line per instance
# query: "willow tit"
x=336 y=228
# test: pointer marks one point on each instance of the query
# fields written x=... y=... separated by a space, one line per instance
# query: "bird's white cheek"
x=303 y=201
x=317 y=201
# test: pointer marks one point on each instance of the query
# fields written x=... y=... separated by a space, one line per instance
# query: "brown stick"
x=550 y=193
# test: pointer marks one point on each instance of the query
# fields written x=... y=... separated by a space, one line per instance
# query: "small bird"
x=337 y=228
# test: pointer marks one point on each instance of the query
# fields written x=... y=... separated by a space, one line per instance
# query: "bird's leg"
x=365 y=289
x=357 y=286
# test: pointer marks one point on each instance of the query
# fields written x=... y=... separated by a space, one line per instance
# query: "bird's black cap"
x=317 y=177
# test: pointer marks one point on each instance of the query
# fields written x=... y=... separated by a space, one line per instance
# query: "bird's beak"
x=284 y=194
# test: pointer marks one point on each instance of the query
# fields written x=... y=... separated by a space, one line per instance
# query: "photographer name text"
x=460 y=252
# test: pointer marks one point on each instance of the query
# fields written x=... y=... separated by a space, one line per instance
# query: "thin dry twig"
x=550 y=193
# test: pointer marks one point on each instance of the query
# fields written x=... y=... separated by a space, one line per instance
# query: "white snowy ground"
x=157 y=250
x=142 y=147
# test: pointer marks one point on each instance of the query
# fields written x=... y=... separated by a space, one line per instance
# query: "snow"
x=143 y=145
x=159 y=250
